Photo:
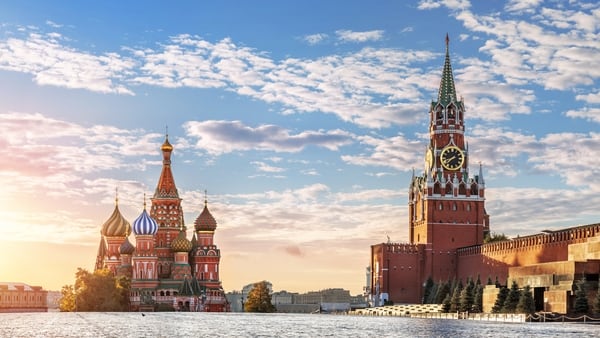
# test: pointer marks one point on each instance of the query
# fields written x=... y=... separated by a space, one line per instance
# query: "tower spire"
x=447 y=92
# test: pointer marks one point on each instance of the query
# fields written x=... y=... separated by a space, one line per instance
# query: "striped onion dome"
x=126 y=248
x=181 y=243
x=206 y=221
x=144 y=224
x=116 y=225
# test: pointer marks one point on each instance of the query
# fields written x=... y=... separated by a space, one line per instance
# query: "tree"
x=478 y=299
x=259 y=299
x=597 y=301
x=428 y=290
x=466 y=296
x=500 y=299
x=98 y=291
x=512 y=299
x=446 y=303
x=581 y=301
x=455 y=300
x=526 y=303
x=494 y=237
x=442 y=291
x=67 y=301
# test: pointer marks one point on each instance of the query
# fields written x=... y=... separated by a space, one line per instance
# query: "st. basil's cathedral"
x=167 y=270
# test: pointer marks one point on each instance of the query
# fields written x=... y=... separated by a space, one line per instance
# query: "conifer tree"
x=478 y=299
x=446 y=303
x=427 y=291
x=455 y=300
x=467 y=296
x=500 y=299
x=442 y=291
x=432 y=294
x=489 y=282
x=512 y=299
x=526 y=303
x=581 y=301
x=597 y=301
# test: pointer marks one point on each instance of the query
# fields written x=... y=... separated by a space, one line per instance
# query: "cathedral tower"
x=166 y=210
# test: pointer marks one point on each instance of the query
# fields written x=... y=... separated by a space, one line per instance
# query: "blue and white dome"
x=144 y=225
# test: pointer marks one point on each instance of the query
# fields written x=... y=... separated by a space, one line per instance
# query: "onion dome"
x=206 y=221
x=181 y=243
x=166 y=147
x=144 y=224
x=126 y=248
x=116 y=225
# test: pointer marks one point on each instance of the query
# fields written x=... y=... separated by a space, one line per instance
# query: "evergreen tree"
x=500 y=299
x=442 y=291
x=433 y=294
x=467 y=296
x=581 y=301
x=478 y=299
x=455 y=300
x=259 y=299
x=446 y=303
x=526 y=303
x=489 y=282
x=427 y=291
x=512 y=299
x=597 y=301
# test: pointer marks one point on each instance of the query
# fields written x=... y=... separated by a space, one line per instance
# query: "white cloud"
x=54 y=64
x=218 y=137
x=351 y=36
x=314 y=39
x=262 y=166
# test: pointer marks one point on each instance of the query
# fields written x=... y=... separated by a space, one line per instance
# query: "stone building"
x=20 y=297
x=448 y=223
x=167 y=270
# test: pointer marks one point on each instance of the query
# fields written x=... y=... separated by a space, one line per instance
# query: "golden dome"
x=116 y=225
x=166 y=145
x=181 y=243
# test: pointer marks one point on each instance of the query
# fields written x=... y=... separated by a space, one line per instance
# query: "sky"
x=302 y=120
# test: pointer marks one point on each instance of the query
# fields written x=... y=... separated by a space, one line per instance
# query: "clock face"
x=452 y=158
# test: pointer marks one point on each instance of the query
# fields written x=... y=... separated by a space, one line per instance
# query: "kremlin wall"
x=448 y=223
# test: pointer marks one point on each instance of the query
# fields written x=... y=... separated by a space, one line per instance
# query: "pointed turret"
x=100 y=255
x=447 y=91
x=166 y=183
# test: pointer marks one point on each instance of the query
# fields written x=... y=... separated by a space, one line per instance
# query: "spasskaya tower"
x=447 y=203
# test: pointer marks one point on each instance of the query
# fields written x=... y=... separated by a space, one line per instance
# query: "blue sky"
x=302 y=119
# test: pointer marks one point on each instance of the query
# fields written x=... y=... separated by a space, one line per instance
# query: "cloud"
x=394 y=152
x=52 y=63
x=218 y=137
x=524 y=6
x=351 y=36
x=262 y=166
x=314 y=39
x=590 y=114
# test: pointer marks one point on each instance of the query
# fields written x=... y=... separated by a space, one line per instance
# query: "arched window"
x=449 y=188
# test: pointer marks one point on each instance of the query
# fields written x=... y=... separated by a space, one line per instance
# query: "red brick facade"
x=448 y=223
